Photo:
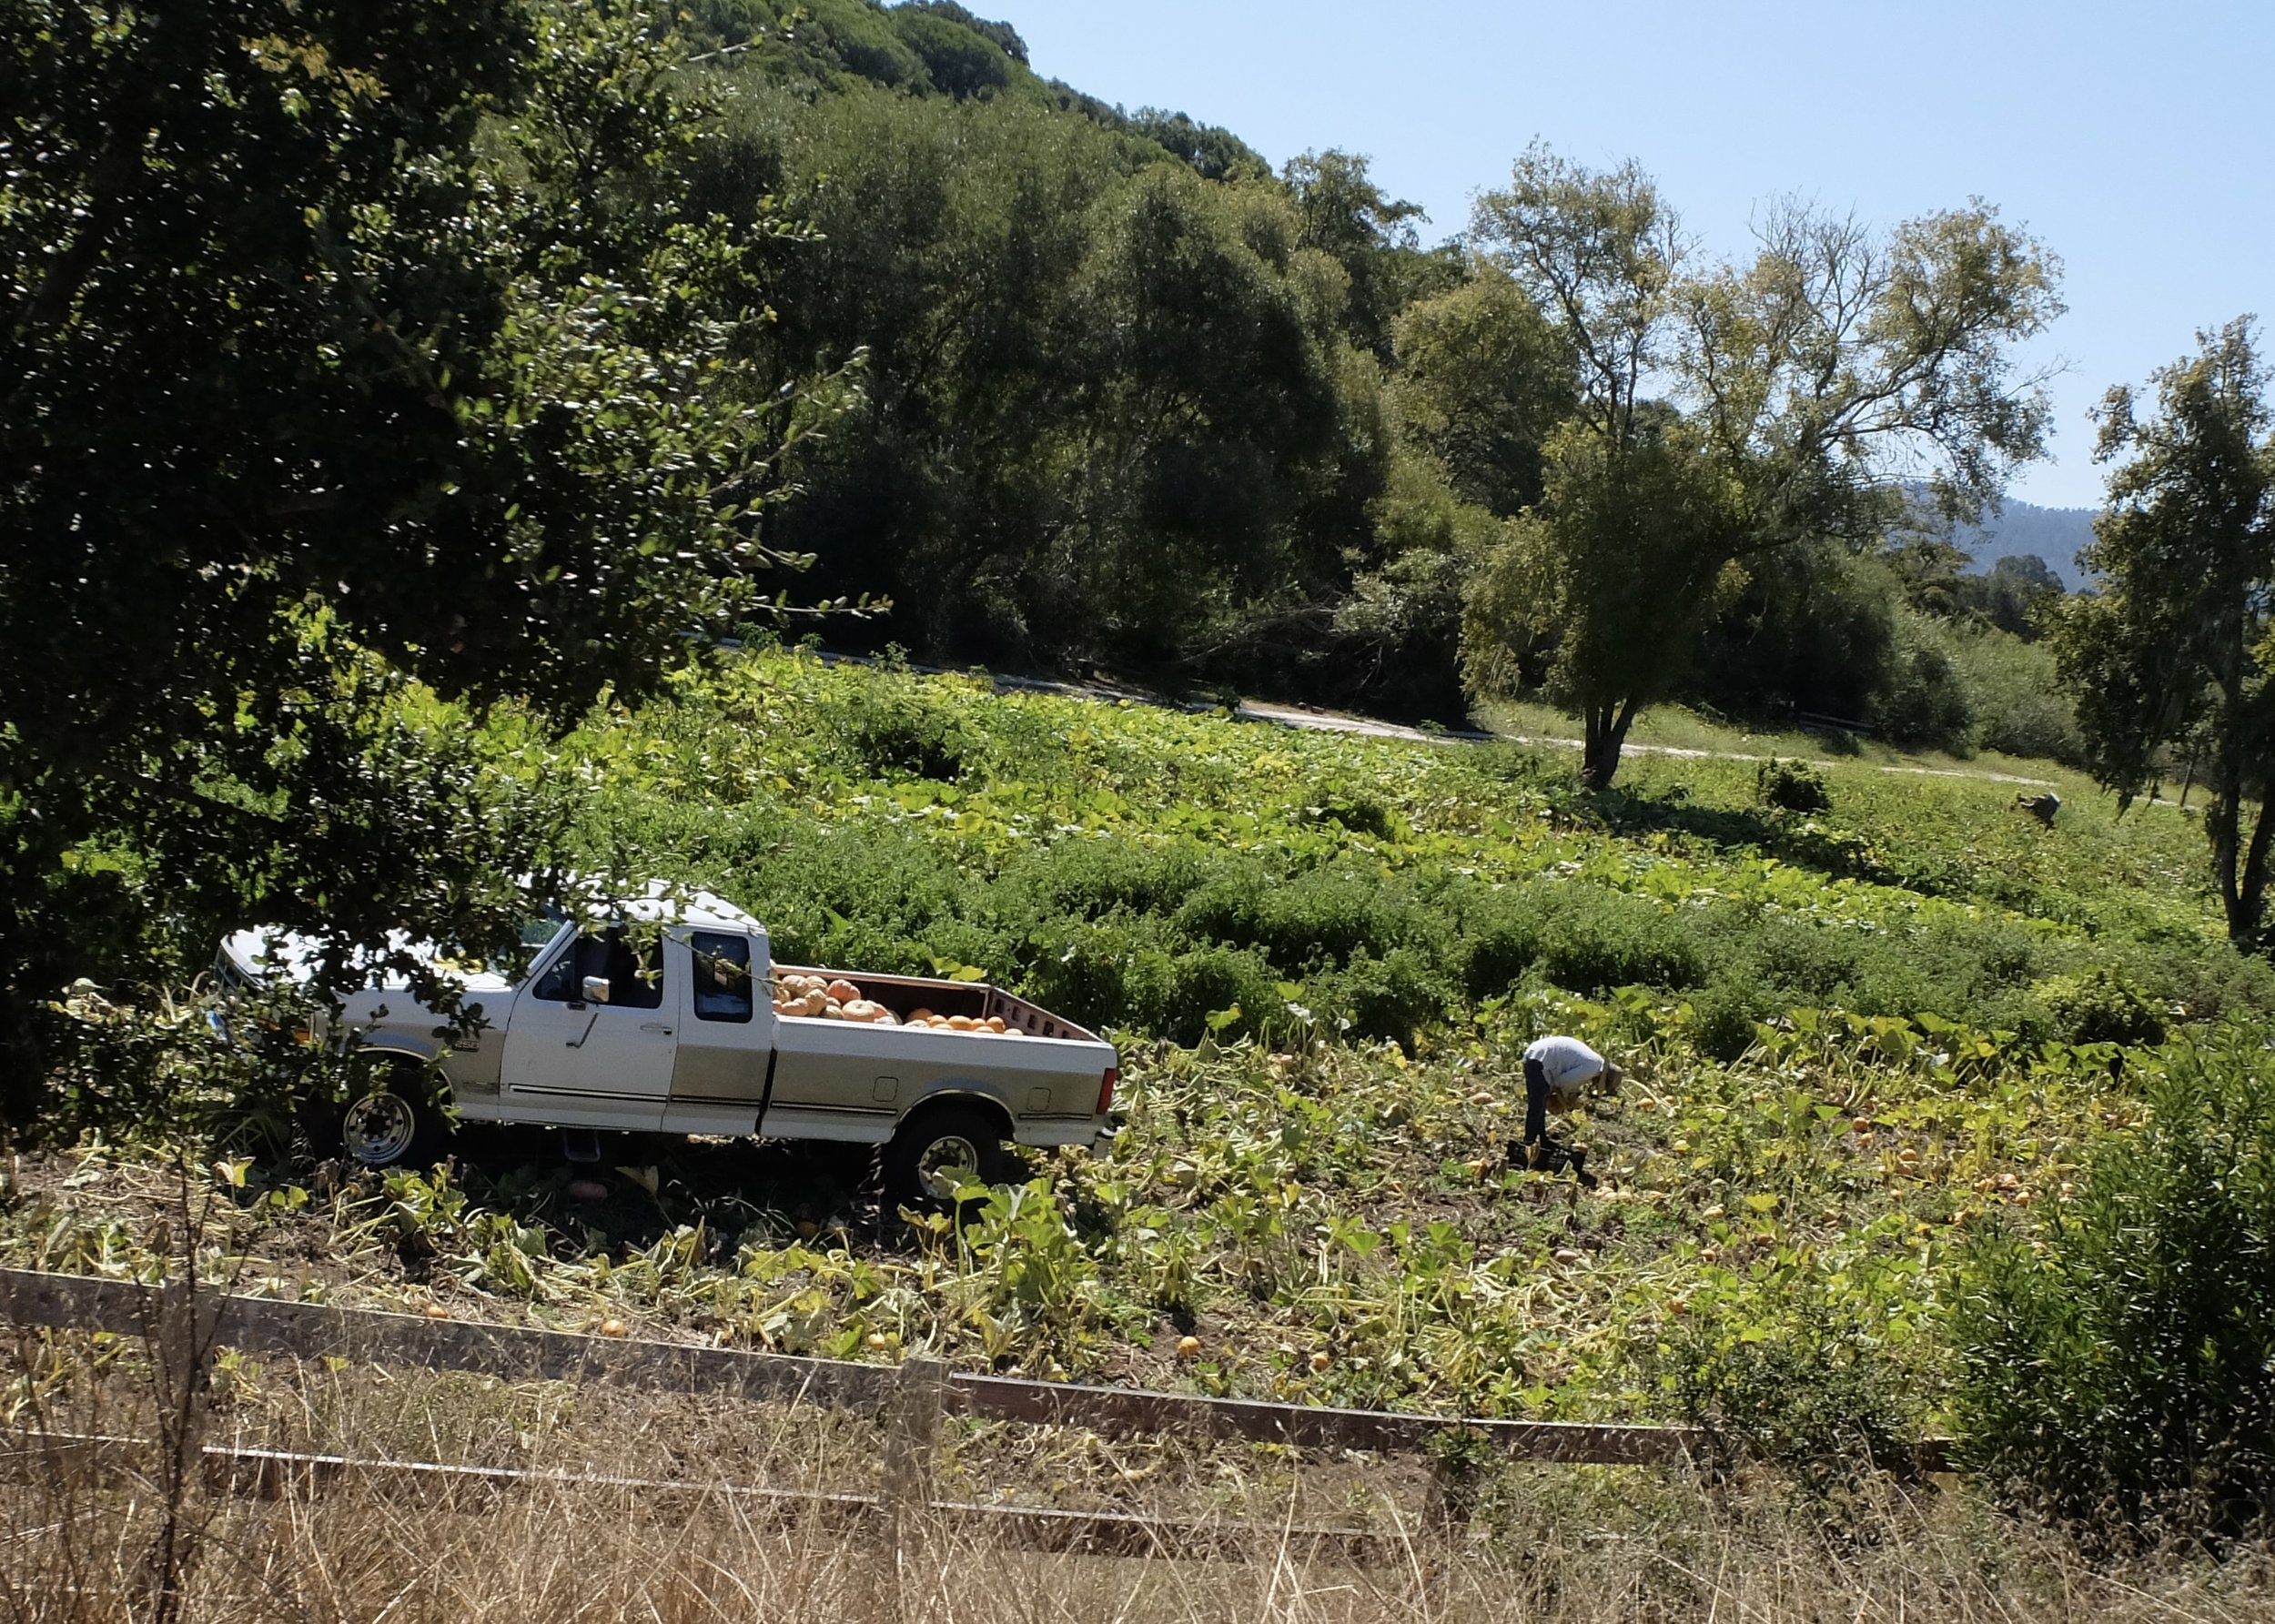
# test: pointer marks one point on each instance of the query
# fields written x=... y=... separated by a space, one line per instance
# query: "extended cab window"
x=722 y=975
x=635 y=980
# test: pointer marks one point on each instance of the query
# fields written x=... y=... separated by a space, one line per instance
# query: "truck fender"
x=987 y=1099
x=427 y=1052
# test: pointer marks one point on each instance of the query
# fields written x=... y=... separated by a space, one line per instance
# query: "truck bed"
x=905 y=994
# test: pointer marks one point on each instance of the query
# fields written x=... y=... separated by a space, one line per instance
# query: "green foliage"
x=1792 y=786
x=1400 y=624
x=1817 y=1395
x=1813 y=629
x=2015 y=692
x=2010 y=595
x=1111 y=411
x=2100 y=1005
x=148 y=1066
x=2173 y=650
x=1726 y=1017
x=1773 y=399
x=2117 y=1368
x=1484 y=380
x=957 y=60
x=1212 y=153
x=407 y=362
x=1341 y=213
x=1925 y=701
x=898 y=728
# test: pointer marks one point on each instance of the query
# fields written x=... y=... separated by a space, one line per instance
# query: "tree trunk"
x=1607 y=728
x=2245 y=892
x=22 y=1072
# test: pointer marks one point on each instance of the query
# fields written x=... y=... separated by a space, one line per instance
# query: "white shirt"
x=1565 y=1062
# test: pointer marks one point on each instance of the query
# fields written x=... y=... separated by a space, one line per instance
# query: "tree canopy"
x=344 y=346
x=2176 y=648
x=1725 y=412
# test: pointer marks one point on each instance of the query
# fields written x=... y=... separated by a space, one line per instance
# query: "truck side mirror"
x=596 y=989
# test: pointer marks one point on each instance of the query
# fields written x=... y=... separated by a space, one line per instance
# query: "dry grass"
x=560 y=1554
x=1546 y=1544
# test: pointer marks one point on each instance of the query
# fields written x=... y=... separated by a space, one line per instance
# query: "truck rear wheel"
x=943 y=1150
x=393 y=1117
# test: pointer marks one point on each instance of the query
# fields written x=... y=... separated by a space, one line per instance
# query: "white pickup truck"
x=663 y=1022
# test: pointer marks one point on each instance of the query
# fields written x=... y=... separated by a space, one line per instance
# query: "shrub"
x=2101 y=1006
x=1925 y=699
x=1792 y=786
x=1798 y=959
x=1355 y=810
x=1090 y=878
x=2117 y=1371
x=1083 y=969
x=1323 y=918
x=1724 y=1017
x=2019 y=707
x=1818 y=1396
x=1175 y=996
x=1501 y=939
x=900 y=728
x=1598 y=940
x=1391 y=997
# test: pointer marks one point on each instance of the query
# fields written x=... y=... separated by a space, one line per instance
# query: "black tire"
x=393 y=1117
x=926 y=1158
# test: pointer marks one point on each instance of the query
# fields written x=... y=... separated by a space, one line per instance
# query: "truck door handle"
x=655 y=1027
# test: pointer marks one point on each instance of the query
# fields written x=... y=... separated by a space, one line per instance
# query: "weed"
x=1792 y=786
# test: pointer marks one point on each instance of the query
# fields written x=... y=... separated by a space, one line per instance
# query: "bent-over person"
x=1559 y=1073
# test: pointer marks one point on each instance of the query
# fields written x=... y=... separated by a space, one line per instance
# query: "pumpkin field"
x=1855 y=1036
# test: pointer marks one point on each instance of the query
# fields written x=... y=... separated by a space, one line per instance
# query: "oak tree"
x=1726 y=411
x=2174 y=646
x=342 y=346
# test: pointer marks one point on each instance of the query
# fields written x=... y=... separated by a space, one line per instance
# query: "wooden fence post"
x=180 y=1338
x=912 y=1431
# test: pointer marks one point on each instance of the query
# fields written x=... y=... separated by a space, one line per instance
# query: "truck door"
x=726 y=1037
x=593 y=1063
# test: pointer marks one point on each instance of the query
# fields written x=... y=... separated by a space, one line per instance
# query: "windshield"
x=538 y=929
x=510 y=960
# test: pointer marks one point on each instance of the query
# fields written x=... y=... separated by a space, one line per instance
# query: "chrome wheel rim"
x=949 y=1163
x=379 y=1129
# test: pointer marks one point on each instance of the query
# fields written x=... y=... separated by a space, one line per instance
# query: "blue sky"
x=2138 y=140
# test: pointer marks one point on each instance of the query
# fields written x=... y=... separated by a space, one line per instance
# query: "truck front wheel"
x=392 y=1118
x=941 y=1152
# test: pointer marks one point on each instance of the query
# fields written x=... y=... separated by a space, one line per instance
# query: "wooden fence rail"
x=291 y=1474
x=184 y=1327
x=308 y=1330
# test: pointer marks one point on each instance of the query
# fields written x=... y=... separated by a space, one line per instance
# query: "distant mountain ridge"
x=2054 y=534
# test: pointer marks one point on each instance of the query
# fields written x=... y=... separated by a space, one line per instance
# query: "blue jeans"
x=1535 y=1102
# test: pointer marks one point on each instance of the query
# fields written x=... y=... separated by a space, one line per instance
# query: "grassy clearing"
x=1674 y=727
x=1680 y=728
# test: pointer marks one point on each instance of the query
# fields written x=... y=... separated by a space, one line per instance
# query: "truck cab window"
x=722 y=975
x=634 y=981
